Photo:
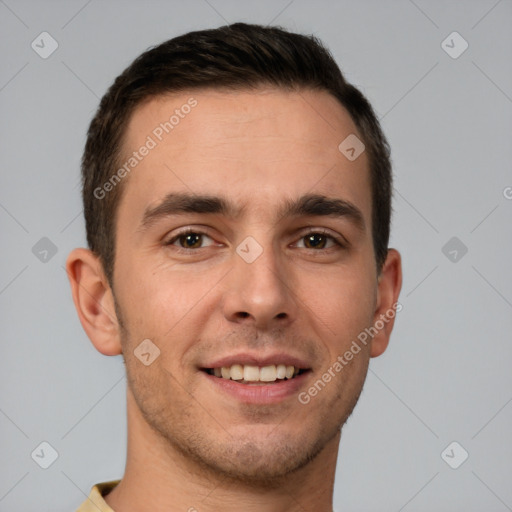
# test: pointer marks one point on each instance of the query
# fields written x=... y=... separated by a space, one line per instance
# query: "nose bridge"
x=257 y=289
x=261 y=268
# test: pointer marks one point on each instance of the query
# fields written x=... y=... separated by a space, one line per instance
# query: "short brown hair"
x=238 y=56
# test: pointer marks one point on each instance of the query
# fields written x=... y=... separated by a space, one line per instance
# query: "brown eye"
x=315 y=241
x=319 y=240
x=190 y=240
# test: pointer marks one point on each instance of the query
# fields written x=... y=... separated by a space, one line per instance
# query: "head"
x=234 y=57
x=241 y=229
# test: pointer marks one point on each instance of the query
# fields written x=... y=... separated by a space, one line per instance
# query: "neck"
x=160 y=478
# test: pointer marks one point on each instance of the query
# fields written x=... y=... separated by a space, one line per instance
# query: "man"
x=237 y=197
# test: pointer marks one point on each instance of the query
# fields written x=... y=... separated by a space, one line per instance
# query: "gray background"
x=446 y=375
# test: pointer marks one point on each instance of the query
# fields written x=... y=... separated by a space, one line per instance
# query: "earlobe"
x=387 y=305
x=93 y=300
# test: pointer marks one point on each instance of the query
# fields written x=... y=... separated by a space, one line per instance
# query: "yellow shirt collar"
x=95 y=501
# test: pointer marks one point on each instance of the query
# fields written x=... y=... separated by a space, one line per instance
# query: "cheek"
x=166 y=301
x=341 y=301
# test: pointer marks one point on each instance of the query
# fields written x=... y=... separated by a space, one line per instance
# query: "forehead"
x=255 y=146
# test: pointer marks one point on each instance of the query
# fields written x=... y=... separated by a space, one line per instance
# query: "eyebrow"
x=304 y=206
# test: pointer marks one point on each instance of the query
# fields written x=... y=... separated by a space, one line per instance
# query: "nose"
x=259 y=293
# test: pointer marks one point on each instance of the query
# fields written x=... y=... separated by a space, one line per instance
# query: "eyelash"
x=338 y=240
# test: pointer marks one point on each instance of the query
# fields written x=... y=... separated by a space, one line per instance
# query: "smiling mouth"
x=251 y=374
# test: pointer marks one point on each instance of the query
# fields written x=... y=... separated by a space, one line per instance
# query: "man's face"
x=208 y=298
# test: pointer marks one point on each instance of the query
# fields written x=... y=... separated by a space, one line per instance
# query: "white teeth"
x=252 y=373
x=237 y=372
x=268 y=373
x=281 y=371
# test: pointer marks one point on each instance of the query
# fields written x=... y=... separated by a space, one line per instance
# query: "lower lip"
x=259 y=393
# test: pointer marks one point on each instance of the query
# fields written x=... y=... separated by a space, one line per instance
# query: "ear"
x=387 y=306
x=94 y=301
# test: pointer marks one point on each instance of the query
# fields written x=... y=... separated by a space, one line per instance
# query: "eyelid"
x=336 y=237
x=185 y=231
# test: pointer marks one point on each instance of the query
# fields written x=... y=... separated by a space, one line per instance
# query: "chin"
x=262 y=460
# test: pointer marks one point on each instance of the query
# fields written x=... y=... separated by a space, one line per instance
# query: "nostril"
x=243 y=314
x=281 y=315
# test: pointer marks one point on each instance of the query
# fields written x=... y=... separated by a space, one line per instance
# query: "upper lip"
x=244 y=358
